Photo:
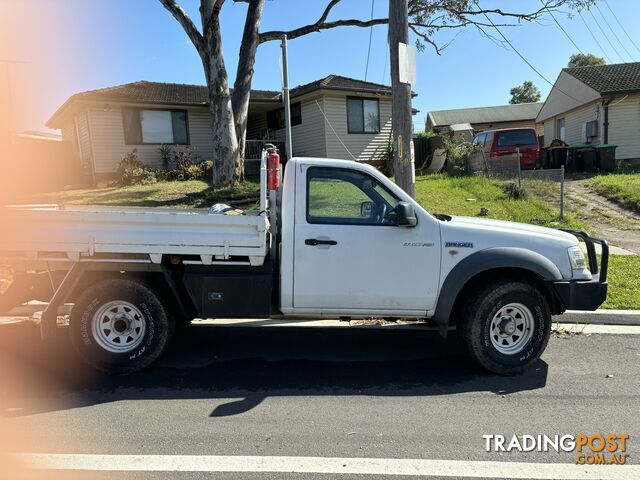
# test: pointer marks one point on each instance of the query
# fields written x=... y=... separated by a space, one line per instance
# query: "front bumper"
x=589 y=294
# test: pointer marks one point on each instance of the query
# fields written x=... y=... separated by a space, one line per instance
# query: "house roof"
x=162 y=93
x=614 y=78
x=196 y=95
x=495 y=114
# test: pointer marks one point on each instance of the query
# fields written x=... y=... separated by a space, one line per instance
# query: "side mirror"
x=406 y=215
x=367 y=209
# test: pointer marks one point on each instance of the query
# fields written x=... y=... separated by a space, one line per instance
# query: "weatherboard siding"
x=624 y=126
x=308 y=138
x=575 y=121
x=362 y=146
x=567 y=93
x=84 y=138
x=107 y=138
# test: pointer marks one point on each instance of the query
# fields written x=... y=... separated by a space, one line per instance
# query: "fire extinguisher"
x=273 y=169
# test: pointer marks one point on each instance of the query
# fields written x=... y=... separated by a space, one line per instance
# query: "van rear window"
x=513 y=138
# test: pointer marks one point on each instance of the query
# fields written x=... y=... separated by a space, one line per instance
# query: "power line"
x=621 y=26
x=593 y=36
x=523 y=58
x=606 y=37
x=613 y=31
x=366 y=70
x=563 y=30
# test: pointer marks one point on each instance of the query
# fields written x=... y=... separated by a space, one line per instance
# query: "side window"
x=479 y=140
x=347 y=197
x=488 y=142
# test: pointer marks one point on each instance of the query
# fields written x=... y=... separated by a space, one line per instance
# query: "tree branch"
x=187 y=24
x=316 y=27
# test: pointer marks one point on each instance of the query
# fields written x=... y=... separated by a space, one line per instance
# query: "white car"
x=338 y=239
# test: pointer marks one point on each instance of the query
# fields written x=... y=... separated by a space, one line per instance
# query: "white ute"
x=337 y=239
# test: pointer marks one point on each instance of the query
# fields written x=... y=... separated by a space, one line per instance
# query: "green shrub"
x=515 y=191
x=165 y=155
x=182 y=157
x=457 y=155
x=131 y=171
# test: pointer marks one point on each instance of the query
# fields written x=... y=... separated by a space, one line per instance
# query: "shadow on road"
x=250 y=364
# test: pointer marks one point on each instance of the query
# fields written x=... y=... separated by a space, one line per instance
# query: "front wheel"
x=119 y=326
x=505 y=327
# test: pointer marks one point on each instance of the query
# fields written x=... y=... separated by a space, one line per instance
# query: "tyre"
x=119 y=326
x=505 y=327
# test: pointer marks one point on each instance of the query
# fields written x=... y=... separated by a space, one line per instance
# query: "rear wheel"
x=119 y=326
x=505 y=327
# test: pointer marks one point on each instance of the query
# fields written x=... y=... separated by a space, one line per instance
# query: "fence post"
x=484 y=160
x=562 y=191
x=518 y=161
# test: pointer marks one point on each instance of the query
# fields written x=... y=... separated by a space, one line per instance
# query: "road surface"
x=244 y=398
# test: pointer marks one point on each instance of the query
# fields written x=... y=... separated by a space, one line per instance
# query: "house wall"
x=308 y=138
x=574 y=124
x=567 y=94
x=107 y=137
x=363 y=146
x=256 y=125
x=83 y=139
x=624 y=126
x=98 y=134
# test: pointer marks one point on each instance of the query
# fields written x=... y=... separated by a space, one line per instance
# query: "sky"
x=61 y=47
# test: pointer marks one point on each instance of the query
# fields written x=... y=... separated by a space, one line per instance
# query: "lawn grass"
x=185 y=194
x=622 y=188
x=467 y=195
x=624 y=282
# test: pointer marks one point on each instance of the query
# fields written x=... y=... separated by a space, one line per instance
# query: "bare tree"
x=229 y=111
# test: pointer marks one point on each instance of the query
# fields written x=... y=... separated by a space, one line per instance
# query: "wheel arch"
x=489 y=265
x=161 y=280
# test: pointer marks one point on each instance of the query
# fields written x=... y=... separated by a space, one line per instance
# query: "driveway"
x=619 y=226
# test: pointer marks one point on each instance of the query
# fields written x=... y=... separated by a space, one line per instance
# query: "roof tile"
x=618 y=77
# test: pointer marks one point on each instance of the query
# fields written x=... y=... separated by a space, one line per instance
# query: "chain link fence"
x=547 y=185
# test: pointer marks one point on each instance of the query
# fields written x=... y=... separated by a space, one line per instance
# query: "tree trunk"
x=401 y=95
x=227 y=164
x=244 y=75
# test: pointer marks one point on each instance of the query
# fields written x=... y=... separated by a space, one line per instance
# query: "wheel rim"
x=118 y=326
x=511 y=328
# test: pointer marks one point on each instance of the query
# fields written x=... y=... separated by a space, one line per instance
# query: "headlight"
x=576 y=258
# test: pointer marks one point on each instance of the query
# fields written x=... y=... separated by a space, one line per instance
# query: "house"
x=486 y=118
x=335 y=117
x=596 y=105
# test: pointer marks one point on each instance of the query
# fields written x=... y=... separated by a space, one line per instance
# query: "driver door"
x=350 y=254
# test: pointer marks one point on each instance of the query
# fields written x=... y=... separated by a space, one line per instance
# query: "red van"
x=505 y=141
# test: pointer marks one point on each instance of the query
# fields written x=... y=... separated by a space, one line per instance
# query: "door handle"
x=314 y=242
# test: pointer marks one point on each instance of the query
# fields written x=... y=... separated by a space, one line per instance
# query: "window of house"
x=561 y=129
x=155 y=126
x=348 y=197
x=363 y=115
x=275 y=118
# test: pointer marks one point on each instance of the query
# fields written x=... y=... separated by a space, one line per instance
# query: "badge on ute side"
x=458 y=245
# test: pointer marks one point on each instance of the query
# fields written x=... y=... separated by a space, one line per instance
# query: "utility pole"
x=401 y=95
x=285 y=98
